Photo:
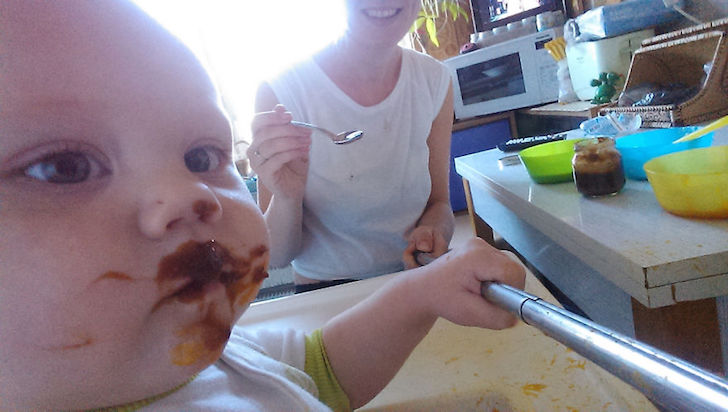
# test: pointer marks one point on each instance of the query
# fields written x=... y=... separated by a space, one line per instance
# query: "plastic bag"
x=615 y=19
x=566 y=89
x=612 y=124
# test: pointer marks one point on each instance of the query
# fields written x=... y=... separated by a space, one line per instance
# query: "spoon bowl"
x=337 y=138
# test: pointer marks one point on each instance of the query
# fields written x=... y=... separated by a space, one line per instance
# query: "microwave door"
x=491 y=80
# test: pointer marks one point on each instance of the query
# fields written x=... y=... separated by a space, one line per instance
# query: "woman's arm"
x=436 y=224
x=279 y=155
x=368 y=344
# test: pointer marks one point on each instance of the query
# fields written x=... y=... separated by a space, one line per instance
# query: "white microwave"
x=509 y=75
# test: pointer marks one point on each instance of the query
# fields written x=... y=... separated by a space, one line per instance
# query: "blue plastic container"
x=638 y=148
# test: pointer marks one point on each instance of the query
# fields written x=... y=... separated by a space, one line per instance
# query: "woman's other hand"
x=279 y=153
x=424 y=239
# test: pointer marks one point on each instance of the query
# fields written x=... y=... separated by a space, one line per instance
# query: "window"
x=242 y=42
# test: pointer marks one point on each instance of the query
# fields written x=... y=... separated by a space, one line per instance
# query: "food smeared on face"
x=111 y=275
x=204 y=265
x=201 y=341
x=80 y=342
x=86 y=342
x=204 y=209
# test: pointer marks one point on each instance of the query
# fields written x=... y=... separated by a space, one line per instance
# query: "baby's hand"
x=279 y=152
x=451 y=284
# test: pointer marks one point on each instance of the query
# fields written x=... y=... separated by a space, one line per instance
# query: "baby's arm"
x=367 y=344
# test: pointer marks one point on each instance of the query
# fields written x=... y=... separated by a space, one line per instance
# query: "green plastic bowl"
x=550 y=162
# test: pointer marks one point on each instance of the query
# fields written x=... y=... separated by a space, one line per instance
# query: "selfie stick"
x=671 y=383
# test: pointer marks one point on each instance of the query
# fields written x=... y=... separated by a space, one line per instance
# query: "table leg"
x=687 y=330
x=480 y=228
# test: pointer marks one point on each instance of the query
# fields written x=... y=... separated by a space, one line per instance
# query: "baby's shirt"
x=261 y=371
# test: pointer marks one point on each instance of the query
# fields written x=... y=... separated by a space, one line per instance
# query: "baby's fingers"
x=513 y=273
x=474 y=310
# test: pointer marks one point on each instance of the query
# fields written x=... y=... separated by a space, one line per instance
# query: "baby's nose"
x=173 y=205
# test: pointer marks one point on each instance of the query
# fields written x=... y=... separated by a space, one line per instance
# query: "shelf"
x=576 y=109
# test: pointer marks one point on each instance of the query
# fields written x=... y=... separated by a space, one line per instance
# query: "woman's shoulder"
x=423 y=60
x=425 y=69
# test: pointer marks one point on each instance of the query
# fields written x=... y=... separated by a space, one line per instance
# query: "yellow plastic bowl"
x=693 y=183
x=549 y=162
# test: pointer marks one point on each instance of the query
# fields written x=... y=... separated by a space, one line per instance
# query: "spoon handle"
x=310 y=126
x=709 y=128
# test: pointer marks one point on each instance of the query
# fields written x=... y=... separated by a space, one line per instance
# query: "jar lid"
x=595 y=142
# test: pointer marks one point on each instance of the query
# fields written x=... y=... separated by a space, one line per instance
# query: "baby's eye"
x=68 y=167
x=204 y=159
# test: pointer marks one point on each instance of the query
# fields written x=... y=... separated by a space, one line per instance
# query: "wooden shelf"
x=576 y=109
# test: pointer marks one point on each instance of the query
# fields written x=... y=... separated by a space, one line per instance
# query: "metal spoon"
x=341 y=138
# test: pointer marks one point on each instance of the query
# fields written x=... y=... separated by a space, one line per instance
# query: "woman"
x=342 y=212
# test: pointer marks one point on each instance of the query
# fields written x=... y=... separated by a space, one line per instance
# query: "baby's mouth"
x=196 y=266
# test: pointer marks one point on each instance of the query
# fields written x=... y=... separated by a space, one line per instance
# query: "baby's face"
x=129 y=244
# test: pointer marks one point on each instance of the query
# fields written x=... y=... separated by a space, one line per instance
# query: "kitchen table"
x=458 y=368
x=626 y=262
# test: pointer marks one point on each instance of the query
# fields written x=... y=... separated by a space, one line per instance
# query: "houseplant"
x=433 y=15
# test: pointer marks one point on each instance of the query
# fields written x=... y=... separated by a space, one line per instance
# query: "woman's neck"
x=366 y=73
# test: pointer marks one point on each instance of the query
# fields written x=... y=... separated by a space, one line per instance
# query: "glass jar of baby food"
x=597 y=167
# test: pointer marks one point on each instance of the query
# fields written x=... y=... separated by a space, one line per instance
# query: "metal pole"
x=667 y=381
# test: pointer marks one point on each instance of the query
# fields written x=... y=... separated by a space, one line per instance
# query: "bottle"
x=597 y=167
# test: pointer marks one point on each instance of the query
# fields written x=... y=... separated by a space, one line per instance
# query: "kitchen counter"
x=468 y=369
x=626 y=262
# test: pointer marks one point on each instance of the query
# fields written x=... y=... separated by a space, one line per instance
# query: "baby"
x=130 y=246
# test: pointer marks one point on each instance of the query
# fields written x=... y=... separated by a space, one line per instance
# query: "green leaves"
x=431 y=11
x=432 y=31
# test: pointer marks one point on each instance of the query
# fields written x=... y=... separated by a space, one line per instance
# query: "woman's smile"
x=381 y=13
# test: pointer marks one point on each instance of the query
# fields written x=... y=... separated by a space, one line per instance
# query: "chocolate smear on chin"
x=201 y=341
x=202 y=263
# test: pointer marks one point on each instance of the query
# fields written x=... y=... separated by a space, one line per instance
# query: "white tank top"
x=361 y=199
